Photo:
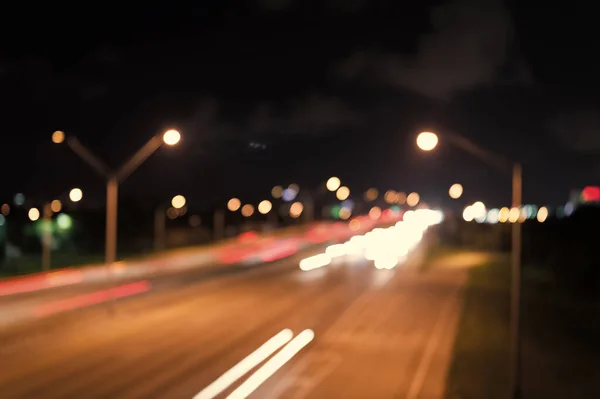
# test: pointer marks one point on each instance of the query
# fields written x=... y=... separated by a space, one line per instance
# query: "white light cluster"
x=386 y=247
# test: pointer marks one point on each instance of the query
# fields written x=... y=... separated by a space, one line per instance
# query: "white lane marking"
x=298 y=385
x=445 y=317
x=272 y=365
x=247 y=364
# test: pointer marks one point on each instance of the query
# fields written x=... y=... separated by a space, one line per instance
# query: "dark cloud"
x=348 y=6
x=467 y=48
x=315 y=114
x=207 y=122
x=578 y=130
x=275 y=5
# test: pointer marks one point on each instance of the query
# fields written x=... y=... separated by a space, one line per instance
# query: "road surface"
x=31 y=297
x=369 y=334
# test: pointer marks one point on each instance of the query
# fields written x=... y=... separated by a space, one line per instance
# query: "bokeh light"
x=456 y=191
x=542 y=214
x=345 y=213
x=371 y=194
x=178 y=201
x=354 y=225
x=19 y=199
x=503 y=215
x=64 y=221
x=234 y=204
x=58 y=137
x=400 y=198
x=333 y=183
x=413 y=199
x=33 y=214
x=514 y=214
x=390 y=196
x=56 y=206
x=277 y=192
x=265 y=207
x=289 y=194
x=375 y=213
x=294 y=187
x=75 y=195
x=342 y=193
x=248 y=210
x=468 y=214
x=5 y=209
x=427 y=141
x=172 y=213
x=171 y=137
x=296 y=209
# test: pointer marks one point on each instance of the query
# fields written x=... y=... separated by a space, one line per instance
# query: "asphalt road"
x=377 y=334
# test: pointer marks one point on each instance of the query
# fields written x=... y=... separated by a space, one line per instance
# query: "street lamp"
x=115 y=177
x=178 y=201
x=456 y=191
x=427 y=141
x=45 y=213
x=160 y=220
x=75 y=195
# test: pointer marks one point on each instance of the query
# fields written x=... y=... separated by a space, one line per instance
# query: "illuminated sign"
x=591 y=194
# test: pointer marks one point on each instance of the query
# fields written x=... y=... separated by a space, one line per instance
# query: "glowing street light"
x=75 y=195
x=427 y=141
x=178 y=201
x=456 y=191
x=333 y=184
x=171 y=137
x=58 y=137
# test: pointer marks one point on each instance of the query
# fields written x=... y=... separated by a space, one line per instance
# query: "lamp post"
x=427 y=141
x=49 y=208
x=160 y=221
x=114 y=178
x=333 y=184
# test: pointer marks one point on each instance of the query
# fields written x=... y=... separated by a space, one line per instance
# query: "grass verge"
x=480 y=360
x=560 y=348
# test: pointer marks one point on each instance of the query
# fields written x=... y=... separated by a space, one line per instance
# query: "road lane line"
x=247 y=364
x=300 y=382
x=272 y=365
x=443 y=320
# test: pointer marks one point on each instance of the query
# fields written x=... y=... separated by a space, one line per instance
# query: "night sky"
x=270 y=92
